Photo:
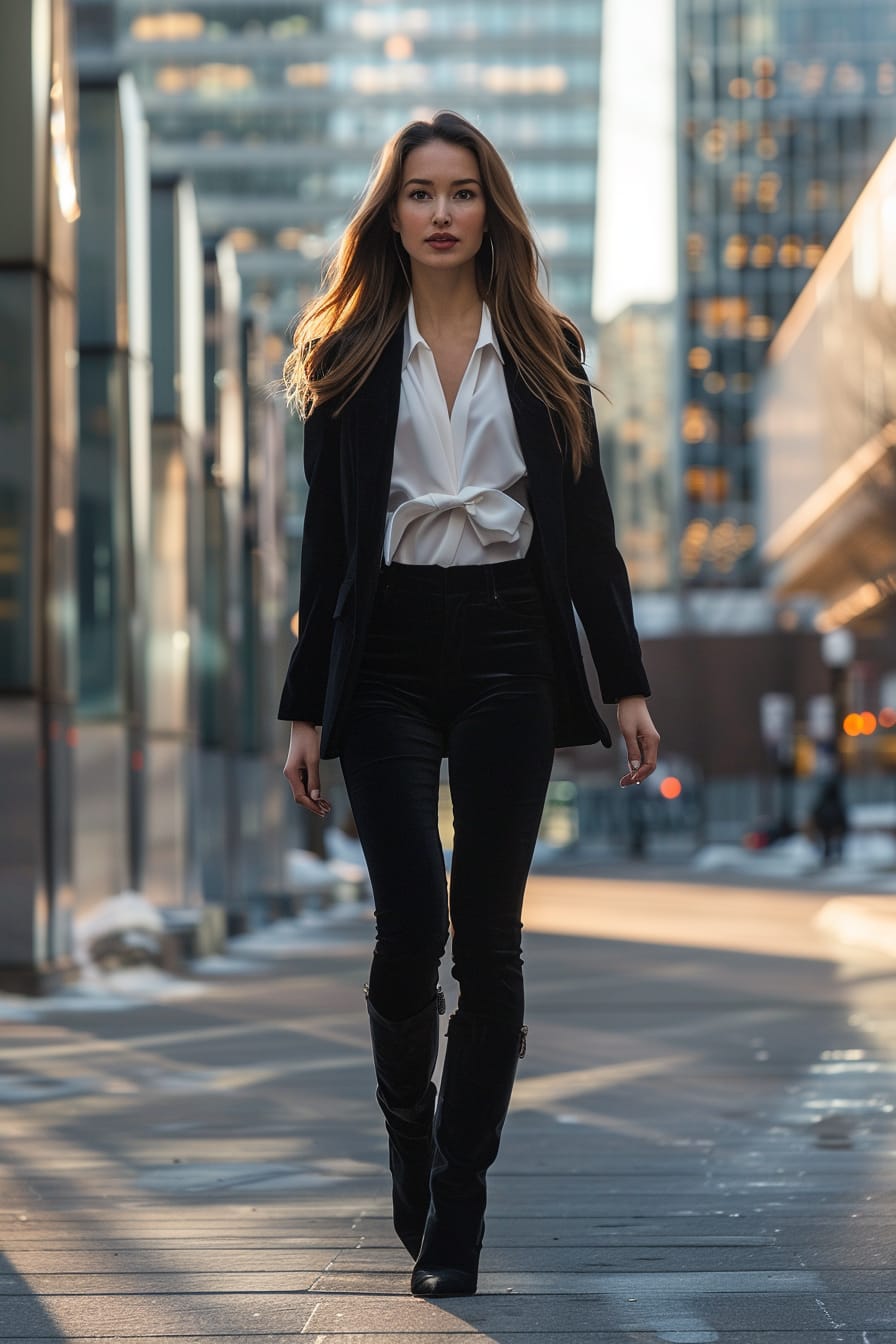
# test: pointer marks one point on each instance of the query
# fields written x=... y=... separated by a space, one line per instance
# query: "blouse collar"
x=412 y=337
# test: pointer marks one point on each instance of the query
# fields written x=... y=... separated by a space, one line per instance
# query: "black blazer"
x=348 y=464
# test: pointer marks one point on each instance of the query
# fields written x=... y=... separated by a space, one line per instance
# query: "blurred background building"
x=827 y=426
x=275 y=109
x=785 y=108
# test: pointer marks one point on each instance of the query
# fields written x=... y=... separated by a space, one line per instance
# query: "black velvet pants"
x=457 y=664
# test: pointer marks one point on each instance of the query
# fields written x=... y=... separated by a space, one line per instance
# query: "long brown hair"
x=342 y=332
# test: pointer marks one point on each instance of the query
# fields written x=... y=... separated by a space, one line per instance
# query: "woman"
x=456 y=513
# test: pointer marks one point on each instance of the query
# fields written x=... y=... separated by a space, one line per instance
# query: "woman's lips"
x=442 y=244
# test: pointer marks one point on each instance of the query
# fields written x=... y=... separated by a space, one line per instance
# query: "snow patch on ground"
x=99 y=991
x=867 y=856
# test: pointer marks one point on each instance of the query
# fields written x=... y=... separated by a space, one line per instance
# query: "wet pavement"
x=701 y=1145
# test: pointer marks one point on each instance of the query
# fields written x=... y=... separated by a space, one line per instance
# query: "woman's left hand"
x=641 y=738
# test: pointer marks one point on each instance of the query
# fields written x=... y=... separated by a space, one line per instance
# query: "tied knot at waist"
x=493 y=515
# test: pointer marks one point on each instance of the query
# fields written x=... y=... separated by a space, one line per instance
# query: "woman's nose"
x=440 y=212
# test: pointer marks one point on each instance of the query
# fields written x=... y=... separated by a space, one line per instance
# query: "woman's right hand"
x=302 y=768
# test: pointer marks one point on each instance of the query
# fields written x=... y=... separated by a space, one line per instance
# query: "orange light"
x=670 y=787
x=852 y=725
x=869 y=722
x=887 y=717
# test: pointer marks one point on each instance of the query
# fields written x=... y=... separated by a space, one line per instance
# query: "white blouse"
x=458 y=492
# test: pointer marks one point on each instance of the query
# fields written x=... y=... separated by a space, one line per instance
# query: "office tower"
x=276 y=108
x=785 y=109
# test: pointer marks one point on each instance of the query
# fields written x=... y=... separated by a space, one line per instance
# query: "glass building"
x=38 y=491
x=786 y=107
x=827 y=426
x=636 y=373
x=275 y=110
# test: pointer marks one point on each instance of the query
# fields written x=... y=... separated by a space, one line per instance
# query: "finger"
x=648 y=746
x=312 y=788
x=298 y=777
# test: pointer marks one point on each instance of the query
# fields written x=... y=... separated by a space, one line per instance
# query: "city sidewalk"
x=700 y=1146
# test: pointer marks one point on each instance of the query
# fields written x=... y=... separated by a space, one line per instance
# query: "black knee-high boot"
x=477 y=1080
x=404 y=1057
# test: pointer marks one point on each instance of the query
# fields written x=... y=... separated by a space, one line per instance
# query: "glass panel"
x=19 y=341
x=99 y=543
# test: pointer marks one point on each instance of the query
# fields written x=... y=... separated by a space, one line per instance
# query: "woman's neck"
x=445 y=302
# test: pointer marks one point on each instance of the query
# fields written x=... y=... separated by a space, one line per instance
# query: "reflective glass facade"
x=275 y=110
x=786 y=107
x=38 y=416
x=827 y=426
x=636 y=372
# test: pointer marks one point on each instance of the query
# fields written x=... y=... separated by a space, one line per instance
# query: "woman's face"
x=440 y=209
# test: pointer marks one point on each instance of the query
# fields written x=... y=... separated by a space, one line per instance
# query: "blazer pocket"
x=341 y=597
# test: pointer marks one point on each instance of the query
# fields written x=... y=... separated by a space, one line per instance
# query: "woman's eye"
x=466 y=193
x=418 y=191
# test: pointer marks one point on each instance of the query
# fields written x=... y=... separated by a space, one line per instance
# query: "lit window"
x=813 y=254
x=763 y=67
x=390 y=78
x=398 y=47
x=737 y=249
x=767 y=147
x=741 y=189
x=695 y=423
x=173 y=79
x=524 y=79
x=695 y=482
x=715 y=144
x=219 y=77
x=886 y=77
x=739 y=87
x=308 y=75
x=763 y=253
x=696 y=248
x=848 y=78
x=727 y=313
x=765 y=88
x=289 y=239
x=714 y=382
x=242 y=240
x=699 y=358
x=817 y=194
x=790 y=252
x=767 y=191
x=742 y=382
x=174 y=26
x=813 y=79
x=742 y=132
x=759 y=327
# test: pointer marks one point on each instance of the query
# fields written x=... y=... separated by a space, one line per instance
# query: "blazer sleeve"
x=598 y=580
x=321 y=572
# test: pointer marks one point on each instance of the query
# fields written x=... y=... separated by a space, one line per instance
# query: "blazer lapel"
x=368 y=446
x=544 y=462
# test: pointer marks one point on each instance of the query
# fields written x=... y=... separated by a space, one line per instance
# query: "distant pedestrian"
x=829 y=820
x=456 y=514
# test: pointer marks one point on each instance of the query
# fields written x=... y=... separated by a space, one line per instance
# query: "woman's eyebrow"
x=427 y=182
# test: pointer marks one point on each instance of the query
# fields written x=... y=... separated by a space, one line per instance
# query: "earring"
x=491 y=276
x=397 y=243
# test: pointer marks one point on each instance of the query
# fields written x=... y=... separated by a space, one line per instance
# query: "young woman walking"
x=456 y=515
